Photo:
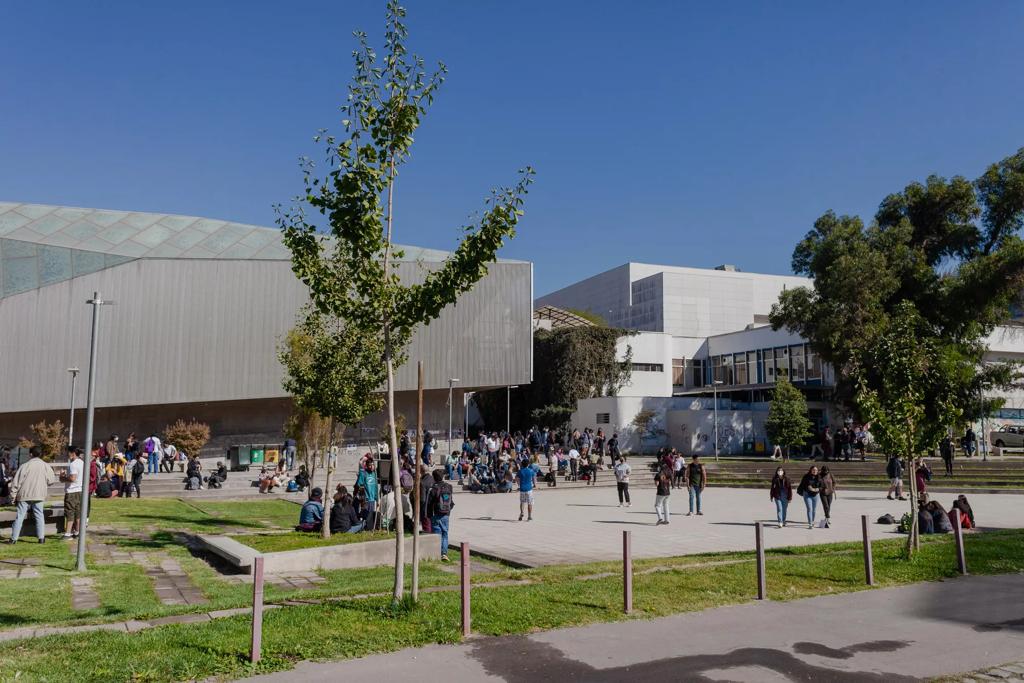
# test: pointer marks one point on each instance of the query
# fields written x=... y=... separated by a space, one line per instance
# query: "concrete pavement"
x=912 y=632
x=585 y=524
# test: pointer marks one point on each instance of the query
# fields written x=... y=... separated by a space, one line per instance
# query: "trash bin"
x=271 y=456
x=239 y=458
x=256 y=455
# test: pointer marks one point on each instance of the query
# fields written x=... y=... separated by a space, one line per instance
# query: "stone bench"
x=53 y=520
x=238 y=554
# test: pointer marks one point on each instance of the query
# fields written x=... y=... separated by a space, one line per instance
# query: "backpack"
x=443 y=506
x=138 y=468
x=887 y=519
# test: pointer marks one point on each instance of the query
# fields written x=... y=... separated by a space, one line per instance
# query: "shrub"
x=51 y=437
x=187 y=436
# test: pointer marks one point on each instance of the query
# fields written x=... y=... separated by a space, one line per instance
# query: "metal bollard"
x=464 y=574
x=257 y=609
x=627 y=572
x=869 y=565
x=762 y=588
x=958 y=532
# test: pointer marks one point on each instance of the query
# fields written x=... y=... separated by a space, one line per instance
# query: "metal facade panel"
x=207 y=330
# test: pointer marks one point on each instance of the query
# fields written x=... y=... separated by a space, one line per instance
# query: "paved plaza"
x=913 y=632
x=573 y=525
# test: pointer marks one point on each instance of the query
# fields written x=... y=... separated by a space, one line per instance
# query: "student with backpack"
x=138 y=469
x=439 y=506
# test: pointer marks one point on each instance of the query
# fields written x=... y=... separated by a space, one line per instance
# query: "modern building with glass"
x=703 y=341
x=200 y=308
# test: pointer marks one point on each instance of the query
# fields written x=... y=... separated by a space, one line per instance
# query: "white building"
x=703 y=335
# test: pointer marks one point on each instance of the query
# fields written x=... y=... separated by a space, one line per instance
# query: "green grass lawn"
x=199 y=516
x=297 y=540
x=556 y=598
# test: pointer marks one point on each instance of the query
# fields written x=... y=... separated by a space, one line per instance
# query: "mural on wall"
x=693 y=431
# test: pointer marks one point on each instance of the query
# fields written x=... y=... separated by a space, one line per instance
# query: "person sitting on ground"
x=268 y=481
x=311 y=517
x=925 y=523
x=282 y=469
x=340 y=491
x=940 y=518
x=507 y=482
x=344 y=519
x=302 y=478
x=217 y=479
x=956 y=511
x=104 y=489
x=194 y=474
x=966 y=507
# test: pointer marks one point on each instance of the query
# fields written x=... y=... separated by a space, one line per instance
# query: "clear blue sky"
x=677 y=133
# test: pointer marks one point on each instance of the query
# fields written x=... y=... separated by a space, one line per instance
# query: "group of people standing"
x=816 y=486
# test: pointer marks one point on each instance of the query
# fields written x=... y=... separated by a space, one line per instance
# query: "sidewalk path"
x=581 y=525
x=913 y=632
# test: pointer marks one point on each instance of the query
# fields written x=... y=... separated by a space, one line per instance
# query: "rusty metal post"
x=762 y=589
x=257 y=609
x=627 y=572
x=464 y=574
x=869 y=565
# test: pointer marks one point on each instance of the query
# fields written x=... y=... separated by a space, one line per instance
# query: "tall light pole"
x=451 y=383
x=90 y=408
x=508 y=407
x=71 y=419
x=465 y=404
x=714 y=387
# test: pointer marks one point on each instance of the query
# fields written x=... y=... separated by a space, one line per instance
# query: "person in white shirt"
x=622 y=470
x=170 y=456
x=574 y=464
x=72 y=479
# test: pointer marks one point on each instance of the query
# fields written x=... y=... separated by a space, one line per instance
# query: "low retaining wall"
x=343 y=556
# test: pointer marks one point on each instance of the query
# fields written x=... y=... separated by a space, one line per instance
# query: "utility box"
x=239 y=458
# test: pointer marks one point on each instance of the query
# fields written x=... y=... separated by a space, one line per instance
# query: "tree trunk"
x=399 y=588
x=416 y=484
x=325 y=529
x=913 y=540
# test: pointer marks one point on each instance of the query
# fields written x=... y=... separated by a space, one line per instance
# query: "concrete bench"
x=53 y=519
x=238 y=554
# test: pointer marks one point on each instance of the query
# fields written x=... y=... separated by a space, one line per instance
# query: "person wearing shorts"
x=527 y=477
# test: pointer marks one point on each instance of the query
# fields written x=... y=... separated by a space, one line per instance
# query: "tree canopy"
x=787 y=423
x=945 y=253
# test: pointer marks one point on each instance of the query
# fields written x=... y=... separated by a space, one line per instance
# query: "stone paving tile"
x=285 y=580
x=82 y=594
x=171 y=584
x=19 y=568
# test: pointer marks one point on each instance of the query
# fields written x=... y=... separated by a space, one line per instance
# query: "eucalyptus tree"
x=349 y=266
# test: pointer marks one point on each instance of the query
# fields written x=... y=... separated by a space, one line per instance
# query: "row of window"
x=648 y=367
x=798 y=363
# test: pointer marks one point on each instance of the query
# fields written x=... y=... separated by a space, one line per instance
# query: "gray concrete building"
x=201 y=307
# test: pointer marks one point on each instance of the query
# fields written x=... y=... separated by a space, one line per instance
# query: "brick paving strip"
x=82 y=594
x=20 y=568
x=172 y=584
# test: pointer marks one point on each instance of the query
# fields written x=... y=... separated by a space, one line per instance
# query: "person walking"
x=613 y=448
x=894 y=470
x=73 y=478
x=827 y=494
x=440 y=504
x=970 y=442
x=527 y=477
x=622 y=470
x=946 y=451
x=809 y=488
x=28 y=489
x=663 y=484
x=290 y=447
x=552 y=468
x=678 y=473
x=137 y=470
x=696 y=480
x=574 y=464
x=781 y=493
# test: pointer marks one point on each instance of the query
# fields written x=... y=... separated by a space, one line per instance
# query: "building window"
x=781 y=363
x=813 y=364
x=769 y=365
x=678 y=371
x=740 y=363
x=698 y=372
x=603 y=418
x=796 y=363
x=648 y=367
x=752 y=376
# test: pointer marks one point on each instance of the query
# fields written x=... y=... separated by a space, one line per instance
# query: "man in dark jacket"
x=894 y=470
x=440 y=503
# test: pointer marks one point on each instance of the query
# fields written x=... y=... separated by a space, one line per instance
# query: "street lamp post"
x=451 y=383
x=714 y=388
x=465 y=404
x=71 y=419
x=90 y=409
x=508 y=407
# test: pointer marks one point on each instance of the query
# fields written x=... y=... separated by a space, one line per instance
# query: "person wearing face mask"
x=809 y=488
x=781 y=493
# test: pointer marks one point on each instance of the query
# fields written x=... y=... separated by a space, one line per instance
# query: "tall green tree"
x=787 y=421
x=349 y=266
x=332 y=369
x=953 y=250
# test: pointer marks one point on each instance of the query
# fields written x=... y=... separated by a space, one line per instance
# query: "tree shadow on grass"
x=185 y=522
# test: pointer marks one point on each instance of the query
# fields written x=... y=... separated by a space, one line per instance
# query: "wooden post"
x=762 y=589
x=869 y=566
x=958 y=532
x=416 y=485
x=627 y=572
x=464 y=574
x=257 y=609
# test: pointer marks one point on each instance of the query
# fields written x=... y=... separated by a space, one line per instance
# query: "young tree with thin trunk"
x=334 y=370
x=787 y=422
x=350 y=266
